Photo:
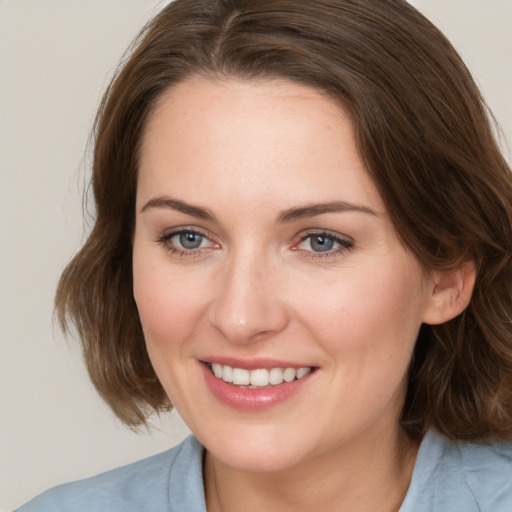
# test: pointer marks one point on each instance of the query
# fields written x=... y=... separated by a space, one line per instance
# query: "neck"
x=372 y=476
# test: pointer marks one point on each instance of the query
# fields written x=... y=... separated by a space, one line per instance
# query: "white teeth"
x=302 y=372
x=260 y=377
x=289 y=374
x=217 y=370
x=241 y=377
x=275 y=376
x=227 y=374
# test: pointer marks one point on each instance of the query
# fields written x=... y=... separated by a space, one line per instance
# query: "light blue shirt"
x=447 y=477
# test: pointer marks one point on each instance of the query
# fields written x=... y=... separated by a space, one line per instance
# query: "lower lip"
x=252 y=399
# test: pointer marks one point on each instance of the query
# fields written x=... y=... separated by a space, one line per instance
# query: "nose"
x=247 y=306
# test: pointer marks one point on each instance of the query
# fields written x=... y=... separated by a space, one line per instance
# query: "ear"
x=451 y=293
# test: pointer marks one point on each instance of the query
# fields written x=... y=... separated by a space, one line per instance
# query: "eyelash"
x=165 y=241
x=345 y=244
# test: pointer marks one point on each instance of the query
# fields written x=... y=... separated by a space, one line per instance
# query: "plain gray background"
x=55 y=59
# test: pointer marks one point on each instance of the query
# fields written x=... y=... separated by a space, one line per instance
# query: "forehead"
x=252 y=139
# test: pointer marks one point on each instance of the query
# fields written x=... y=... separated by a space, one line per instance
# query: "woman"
x=302 y=242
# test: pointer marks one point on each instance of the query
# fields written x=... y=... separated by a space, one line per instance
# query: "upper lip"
x=254 y=363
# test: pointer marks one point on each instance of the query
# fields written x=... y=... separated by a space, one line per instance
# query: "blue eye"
x=324 y=243
x=321 y=243
x=189 y=239
x=186 y=242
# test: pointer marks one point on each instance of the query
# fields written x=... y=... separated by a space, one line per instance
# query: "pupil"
x=322 y=243
x=190 y=240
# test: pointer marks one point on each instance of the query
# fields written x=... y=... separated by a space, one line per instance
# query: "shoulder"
x=488 y=473
x=164 y=482
x=461 y=476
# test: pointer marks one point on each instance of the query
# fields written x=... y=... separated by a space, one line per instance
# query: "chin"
x=257 y=451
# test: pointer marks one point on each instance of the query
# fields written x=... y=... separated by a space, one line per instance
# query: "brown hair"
x=424 y=134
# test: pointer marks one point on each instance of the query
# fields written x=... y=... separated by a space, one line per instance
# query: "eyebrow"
x=312 y=210
x=286 y=216
x=180 y=206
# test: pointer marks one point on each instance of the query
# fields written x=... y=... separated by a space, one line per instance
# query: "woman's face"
x=261 y=244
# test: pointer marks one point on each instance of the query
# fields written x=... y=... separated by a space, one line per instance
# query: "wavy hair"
x=425 y=135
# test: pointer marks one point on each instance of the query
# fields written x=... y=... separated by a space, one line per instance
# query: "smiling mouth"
x=258 y=378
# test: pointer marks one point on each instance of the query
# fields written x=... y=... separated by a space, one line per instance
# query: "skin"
x=257 y=287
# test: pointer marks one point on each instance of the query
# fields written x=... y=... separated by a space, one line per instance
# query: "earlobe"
x=451 y=293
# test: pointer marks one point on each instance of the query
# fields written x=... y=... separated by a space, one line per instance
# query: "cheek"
x=369 y=313
x=169 y=307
